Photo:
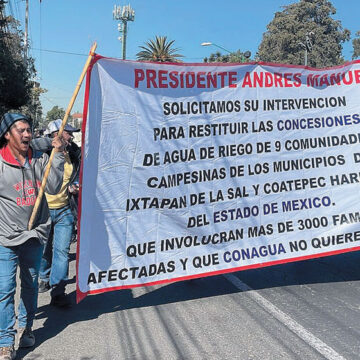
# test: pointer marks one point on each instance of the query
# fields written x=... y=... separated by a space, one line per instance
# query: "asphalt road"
x=302 y=310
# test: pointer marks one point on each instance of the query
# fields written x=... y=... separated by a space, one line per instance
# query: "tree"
x=307 y=23
x=54 y=114
x=234 y=57
x=33 y=107
x=356 y=46
x=159 y=50
x=15 y=72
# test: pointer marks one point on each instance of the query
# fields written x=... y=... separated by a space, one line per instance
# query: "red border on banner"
x=81 y=295
x=225 y=271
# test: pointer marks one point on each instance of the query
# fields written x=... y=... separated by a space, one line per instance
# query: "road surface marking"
x=325 y=350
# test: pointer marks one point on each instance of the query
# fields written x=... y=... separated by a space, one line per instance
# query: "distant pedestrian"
x=21 y=173
x=55 y=262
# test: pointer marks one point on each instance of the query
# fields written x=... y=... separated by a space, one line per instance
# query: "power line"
x=11 y=10
x=78 y=54
x=18 y=13
x=59 y=52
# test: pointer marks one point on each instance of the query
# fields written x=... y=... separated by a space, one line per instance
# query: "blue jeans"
x=28 y=257
x=55 y=260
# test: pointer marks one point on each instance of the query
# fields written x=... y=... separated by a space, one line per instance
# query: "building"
x=77 y=119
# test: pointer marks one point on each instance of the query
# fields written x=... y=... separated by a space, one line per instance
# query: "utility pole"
x=124 y=14
x=26 y=33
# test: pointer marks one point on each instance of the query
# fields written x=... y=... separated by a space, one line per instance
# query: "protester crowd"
x=40 y=250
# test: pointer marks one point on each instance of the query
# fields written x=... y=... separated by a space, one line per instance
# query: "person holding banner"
x=55 y=260
x=21 y=173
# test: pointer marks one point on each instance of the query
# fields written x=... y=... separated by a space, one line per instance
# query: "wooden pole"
x=47 y=170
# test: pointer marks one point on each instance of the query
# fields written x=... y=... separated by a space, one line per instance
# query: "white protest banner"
x=193 y=170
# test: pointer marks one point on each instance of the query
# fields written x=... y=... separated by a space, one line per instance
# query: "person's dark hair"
x=3 y=142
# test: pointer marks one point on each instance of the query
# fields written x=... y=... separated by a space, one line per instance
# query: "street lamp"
x=308 y=45
x=211 y=43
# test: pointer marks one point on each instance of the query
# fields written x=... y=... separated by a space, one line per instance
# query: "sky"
x=61 y=33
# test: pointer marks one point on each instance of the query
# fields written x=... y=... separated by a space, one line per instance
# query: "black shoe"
x=44 y=286
x=61 y=301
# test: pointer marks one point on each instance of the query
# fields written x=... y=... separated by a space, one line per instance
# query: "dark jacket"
x=75 y=158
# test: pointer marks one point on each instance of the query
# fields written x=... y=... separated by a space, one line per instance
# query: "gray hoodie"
x=19 y=187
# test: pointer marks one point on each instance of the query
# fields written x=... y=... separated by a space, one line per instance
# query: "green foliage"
x=356 y=46
x=234 y=57
x=33 y=108
x=159 y=50
x=15 y=72
x=285 y=39
x=54 y=114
